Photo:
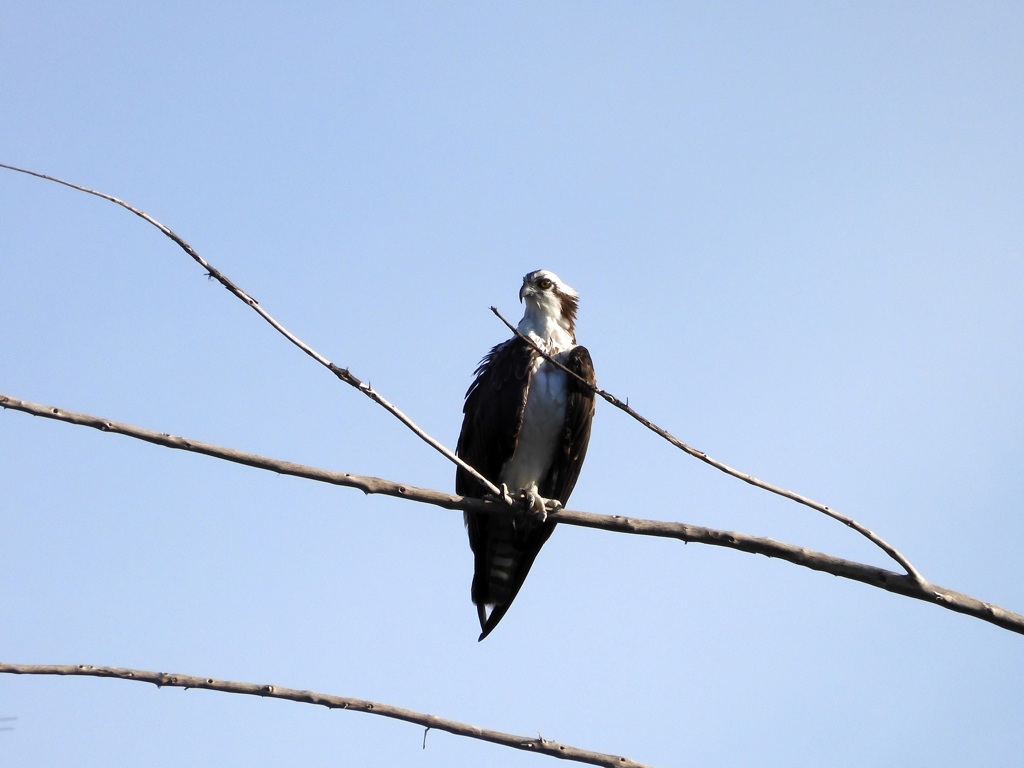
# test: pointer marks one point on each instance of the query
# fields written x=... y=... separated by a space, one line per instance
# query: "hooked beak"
x=524 y=291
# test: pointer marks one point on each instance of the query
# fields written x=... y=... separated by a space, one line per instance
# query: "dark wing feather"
x=493 y=414
x=493 y=417
x=579 y=415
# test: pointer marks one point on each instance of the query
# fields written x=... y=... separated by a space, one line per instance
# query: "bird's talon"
x=505 y=496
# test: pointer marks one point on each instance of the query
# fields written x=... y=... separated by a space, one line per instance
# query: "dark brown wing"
x=493 y=416
x=579 y=415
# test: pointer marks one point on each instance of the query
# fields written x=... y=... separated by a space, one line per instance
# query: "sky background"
x=798 y=234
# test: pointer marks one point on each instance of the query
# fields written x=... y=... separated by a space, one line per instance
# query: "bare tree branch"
x=877 y=540
x=341 y=373
x=885 y=579
x=911 y=585
x=366 y=389
x=165 y=680
x=848 y=569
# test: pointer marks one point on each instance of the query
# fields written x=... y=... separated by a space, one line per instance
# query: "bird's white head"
x=550 y=312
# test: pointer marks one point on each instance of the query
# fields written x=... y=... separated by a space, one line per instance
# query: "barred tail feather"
x=502 y=569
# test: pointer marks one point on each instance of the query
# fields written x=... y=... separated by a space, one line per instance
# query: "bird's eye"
x=544 y=284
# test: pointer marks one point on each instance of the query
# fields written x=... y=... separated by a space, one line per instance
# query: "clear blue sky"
x=798 y=233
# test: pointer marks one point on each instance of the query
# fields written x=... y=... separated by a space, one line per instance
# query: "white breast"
x=541 y=431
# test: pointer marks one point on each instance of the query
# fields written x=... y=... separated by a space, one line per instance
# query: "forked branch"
x=345 y=375
x=341 y=373
x=877 y=540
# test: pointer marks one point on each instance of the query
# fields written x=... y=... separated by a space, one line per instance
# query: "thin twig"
x=341 y=373
x=881 y=543
x=167 y=680
x=867 y=574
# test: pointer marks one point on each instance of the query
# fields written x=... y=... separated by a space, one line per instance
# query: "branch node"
x=878 y=541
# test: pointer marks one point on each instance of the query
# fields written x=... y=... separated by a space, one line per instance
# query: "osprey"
x=526 y=429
